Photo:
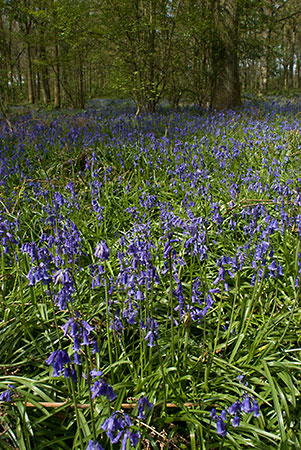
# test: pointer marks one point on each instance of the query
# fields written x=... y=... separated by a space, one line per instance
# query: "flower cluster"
x=152 y=334
x=118 y=428
x=244 y=405
x=62 y=364
x=101 y=387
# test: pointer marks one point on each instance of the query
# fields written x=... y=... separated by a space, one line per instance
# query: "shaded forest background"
x=64 y=52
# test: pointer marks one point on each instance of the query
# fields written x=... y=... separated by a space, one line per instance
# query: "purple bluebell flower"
x=58 y=360
x=152 y=334
x=213 y=414
x=142 y=404
x=256 y=409
x=95 y=348
x=220 y=427
x=132 y=437
x=236 y=421
x=77 y=359
x=62 y=276
x=102 y=251
x=38 y=273
x=8 y=394
x=117 y=324
x=96 y=373
x=93 y=445
x=101 y=387
x=246 y=405
x=113 y=425
x=241 y=406
x=235 y=408
x=79 y=330
x=117 y=427
x=64 y=296
x=223 y=415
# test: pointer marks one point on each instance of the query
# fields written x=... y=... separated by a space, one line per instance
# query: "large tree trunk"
x=225 y=89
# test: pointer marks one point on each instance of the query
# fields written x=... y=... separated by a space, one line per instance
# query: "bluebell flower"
x=117 y=324
x=93 y=445
x=130 y=313
x=256 y=409
x=223 y=415
x=132 y=437
x=246 y=405
x=77 y=359
x=117 y=427
x=142 y=404
x=234 y=408
x=213 y=413
x=102 y=251
x=58 y=360
x=7 y=395
x=95 y=348
x=96 y=373
x=220 y=427
x=236 y=421
x=112 y=425
x=152 y=334
x=101 y=387
x=38 y=273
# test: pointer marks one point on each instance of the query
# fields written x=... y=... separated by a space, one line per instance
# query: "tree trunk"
x=225 y=89
x=38 y=87
x=81 y=84
x=44 y=76
x=57 y=82
x=30 y=81
x=291 y=41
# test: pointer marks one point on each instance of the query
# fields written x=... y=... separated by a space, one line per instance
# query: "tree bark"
x=44 y=76
x=30 y=81
x=225 y=89
x=81 y=99
x=57 y=82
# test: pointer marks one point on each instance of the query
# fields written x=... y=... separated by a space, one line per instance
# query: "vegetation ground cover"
x=150 y=278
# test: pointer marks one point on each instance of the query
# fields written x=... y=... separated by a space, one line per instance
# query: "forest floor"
x=150 y=278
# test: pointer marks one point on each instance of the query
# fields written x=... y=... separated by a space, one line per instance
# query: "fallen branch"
x=86 y=405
